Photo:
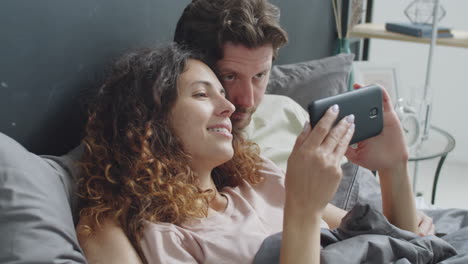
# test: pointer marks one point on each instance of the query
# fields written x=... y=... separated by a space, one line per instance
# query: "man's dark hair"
x=205 y=25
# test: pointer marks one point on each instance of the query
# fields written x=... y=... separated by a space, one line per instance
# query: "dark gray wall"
x=50 y=50
x=311 y=29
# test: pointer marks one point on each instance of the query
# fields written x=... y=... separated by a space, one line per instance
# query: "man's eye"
x=259 y=75
x=201 y=94
x=228 y=77
x=223 y=93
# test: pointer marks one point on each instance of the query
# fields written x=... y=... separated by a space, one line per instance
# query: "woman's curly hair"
x=134 y=168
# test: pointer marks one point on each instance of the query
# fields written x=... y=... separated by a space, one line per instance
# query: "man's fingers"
x=357 y=86
x=423 y=229
x=432 y=230
x=426 y=227
x=387 y=102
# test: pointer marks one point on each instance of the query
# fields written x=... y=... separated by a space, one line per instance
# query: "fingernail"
x=306 y=127
x=350 y=118
x=335 y=108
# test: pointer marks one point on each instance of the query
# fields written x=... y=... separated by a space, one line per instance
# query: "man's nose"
x=244 y=95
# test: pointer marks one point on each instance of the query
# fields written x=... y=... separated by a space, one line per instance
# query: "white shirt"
x=275 y=126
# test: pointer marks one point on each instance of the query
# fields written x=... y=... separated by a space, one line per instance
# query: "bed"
x=52 y=50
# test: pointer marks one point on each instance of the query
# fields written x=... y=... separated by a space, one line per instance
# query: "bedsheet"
x=365 y=236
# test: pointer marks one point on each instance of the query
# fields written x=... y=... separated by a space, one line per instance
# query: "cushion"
x=311 y=80
x=36 y=204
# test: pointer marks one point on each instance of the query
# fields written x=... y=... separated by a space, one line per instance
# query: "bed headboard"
x=51 y=50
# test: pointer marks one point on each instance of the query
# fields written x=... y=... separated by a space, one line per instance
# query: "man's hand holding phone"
x=387 y=153
x=386 y=150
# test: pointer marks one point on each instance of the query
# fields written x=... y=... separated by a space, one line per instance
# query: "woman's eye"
x=201 y=94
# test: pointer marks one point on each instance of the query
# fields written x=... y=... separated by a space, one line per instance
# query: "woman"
x=166 y=180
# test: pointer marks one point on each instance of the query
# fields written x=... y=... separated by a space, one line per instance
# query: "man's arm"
x=109 y=244
x=333 y=216
x=387 y=153
x=397 y=198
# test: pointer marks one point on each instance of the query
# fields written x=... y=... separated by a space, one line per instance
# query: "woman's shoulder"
x=273 y=180
x=163 y=241
x=165 y=229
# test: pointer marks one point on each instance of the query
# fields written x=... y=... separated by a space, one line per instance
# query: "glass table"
x=438 y=145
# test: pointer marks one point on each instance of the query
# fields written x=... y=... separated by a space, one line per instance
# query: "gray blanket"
x=365 y=236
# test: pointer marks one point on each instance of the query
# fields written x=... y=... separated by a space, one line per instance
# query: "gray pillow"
x=310 y=80
x=36 y=201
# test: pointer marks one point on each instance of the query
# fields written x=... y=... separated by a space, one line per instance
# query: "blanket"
x=366 y=236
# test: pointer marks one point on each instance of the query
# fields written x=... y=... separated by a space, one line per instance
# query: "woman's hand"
x=385 y=151
x=314 y=166
x=312 y=178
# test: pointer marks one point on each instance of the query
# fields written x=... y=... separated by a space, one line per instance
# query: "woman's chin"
x=225 y=156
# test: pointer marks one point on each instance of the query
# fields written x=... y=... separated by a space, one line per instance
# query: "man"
x=241 y=38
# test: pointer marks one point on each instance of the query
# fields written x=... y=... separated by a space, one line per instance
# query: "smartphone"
x=366 y=105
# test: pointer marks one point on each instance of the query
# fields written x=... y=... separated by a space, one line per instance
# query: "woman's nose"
x=226 y=107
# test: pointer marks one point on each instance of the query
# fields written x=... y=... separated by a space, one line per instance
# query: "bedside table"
x=438 y=145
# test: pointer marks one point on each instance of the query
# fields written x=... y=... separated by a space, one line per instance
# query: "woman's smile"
x=222 y=129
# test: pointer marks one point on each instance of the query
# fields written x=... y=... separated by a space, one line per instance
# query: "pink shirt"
x=253 y=213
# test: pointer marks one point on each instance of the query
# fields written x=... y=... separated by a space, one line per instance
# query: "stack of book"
x=418 y=30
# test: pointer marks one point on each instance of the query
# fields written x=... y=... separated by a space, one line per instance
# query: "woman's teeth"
x=218 y=129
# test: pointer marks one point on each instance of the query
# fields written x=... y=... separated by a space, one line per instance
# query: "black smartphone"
x=366 y=105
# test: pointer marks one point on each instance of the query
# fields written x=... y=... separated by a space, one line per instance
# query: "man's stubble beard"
x=240 y=124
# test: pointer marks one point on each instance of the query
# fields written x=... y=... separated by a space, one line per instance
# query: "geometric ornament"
x=422 y=11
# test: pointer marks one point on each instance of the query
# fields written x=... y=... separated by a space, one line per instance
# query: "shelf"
x=370 y=30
